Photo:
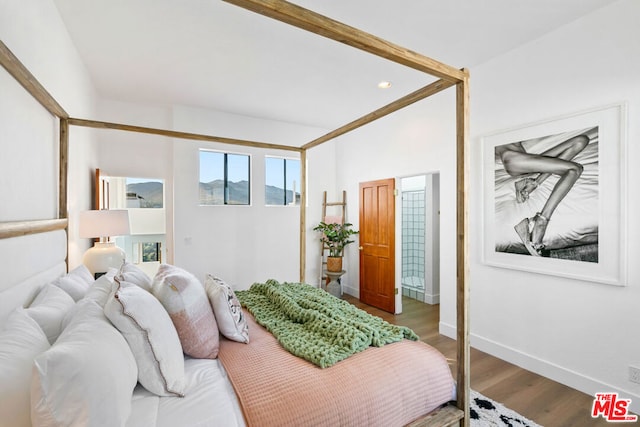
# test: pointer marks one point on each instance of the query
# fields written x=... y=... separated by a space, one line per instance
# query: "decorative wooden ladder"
x=333 y=218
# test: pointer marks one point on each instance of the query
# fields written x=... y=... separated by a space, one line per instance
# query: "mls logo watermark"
x=612 y=408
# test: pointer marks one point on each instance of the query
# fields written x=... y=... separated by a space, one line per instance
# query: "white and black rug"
x=489 y=413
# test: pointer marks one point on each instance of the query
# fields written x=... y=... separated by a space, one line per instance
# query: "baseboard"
x=432 y=299
x=547 y=369
x=354 y=292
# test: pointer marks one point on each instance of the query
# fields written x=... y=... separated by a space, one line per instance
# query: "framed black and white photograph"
x=553 y=196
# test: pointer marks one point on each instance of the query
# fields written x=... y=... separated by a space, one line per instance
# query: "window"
x=119 y=192
x=151 y=251
x=224 y=178
x=282 y=181
x=145 y=193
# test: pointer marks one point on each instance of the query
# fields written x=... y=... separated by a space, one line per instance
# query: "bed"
x=68 y=358
x=31 y=279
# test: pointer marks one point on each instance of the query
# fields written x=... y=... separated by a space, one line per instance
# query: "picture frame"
x=580 y=228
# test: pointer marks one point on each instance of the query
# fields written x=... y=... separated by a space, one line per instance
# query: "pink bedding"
x=386 y=386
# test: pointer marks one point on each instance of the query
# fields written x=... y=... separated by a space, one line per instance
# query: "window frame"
x=285 y=189
x=225 y=177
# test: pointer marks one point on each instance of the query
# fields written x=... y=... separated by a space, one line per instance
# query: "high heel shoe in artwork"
x=525 y=231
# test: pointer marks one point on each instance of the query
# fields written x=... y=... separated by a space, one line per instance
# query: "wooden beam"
x=332 y=29
x=23 y=228
x=462 y=249
x=446 y=416
x=303 y=215
x=63 y=172
x=177 y=134
x=19 y=72
x=407 y=100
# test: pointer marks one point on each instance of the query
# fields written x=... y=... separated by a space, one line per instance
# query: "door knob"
x=360 y=248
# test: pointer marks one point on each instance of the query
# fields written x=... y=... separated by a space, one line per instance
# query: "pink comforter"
x=387 y=386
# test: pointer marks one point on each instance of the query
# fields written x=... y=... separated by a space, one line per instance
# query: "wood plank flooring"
x=540 y=399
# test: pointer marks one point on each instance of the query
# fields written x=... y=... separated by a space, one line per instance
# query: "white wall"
x=219 y=239
x=581 y=333
x=321 y=176
x=417 y=140
x=26 y=127
x=34 y=32
x=240 y=244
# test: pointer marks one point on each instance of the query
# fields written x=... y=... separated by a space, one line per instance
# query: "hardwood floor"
x=540 y=399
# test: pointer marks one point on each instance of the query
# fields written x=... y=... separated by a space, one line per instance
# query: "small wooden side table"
x=333 y=287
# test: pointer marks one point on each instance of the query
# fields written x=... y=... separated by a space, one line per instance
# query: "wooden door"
x=377 y=242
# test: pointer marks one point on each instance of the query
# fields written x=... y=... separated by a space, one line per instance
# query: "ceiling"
x=211 y=54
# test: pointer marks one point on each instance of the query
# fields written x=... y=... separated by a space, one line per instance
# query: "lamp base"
x=102 y=256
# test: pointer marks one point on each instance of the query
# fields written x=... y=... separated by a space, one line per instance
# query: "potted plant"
x=335 y=237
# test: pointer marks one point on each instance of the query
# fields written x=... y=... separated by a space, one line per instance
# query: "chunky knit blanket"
x=314 y=325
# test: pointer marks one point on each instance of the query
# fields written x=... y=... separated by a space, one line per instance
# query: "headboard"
x=29 y=262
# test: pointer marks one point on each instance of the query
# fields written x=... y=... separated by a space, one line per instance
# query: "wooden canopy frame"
x=326 y=27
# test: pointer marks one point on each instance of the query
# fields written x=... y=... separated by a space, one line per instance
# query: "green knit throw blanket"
x=314 y=325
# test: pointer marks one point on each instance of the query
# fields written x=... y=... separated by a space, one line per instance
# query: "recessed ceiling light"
x=384 y=84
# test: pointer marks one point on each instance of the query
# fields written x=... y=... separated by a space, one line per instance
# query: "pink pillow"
x=185 y=299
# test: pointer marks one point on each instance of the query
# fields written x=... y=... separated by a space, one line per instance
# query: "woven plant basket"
x=334 y=263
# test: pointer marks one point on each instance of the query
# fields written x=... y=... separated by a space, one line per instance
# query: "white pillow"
x=99 y=292
x=133 y=274
x=102 y=287
x=184 y=298
x=88 y=376
x=76 y=283
x=227 y=309
x=49 y=308
x=21 y=341
x=151 y=336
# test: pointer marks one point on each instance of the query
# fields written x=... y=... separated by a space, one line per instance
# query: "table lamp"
x=103 y=224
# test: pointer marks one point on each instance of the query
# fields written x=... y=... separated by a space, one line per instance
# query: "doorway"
x=420 y=237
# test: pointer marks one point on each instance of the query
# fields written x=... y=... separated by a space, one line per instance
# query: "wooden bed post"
x=97 y=124
x=303 y=214
x=313 y=22
x=462 y=249
x=63 y=176
x=405 y=101
x=23 y=76
x=63 y=169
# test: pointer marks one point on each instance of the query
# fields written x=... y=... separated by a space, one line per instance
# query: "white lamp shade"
x=104 y=223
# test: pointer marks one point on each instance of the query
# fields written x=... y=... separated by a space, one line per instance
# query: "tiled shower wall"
x=413 y=239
